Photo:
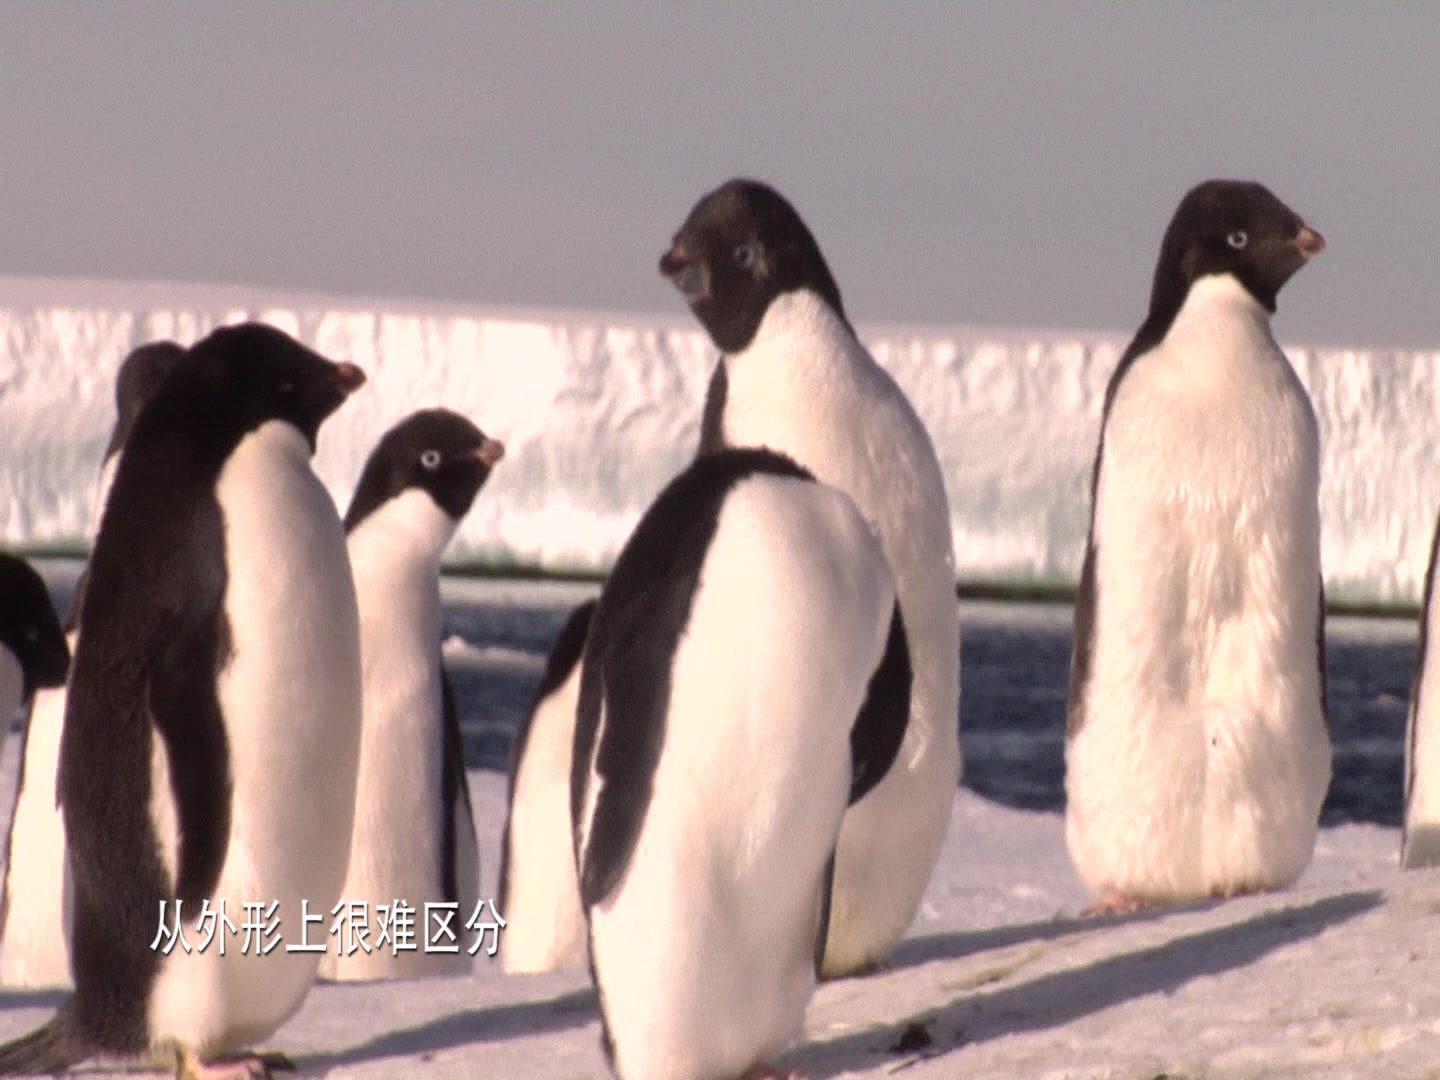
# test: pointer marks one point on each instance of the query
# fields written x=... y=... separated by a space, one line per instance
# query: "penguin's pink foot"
x=1115 y=904
x=767 y=1072
x=188 y=1066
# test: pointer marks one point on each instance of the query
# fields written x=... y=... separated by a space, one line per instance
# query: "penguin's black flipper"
x=879 y=729
x=44 y=1052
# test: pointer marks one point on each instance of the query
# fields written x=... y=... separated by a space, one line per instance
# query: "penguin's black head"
x=434 y=450
x=140 y=376
x=263 y=374
x=29 y=627
x=1234 y=227
x=743 y=245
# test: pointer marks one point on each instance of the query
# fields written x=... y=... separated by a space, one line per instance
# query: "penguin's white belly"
x=1202 y=757
x=704 y=953
x=545 y=926
x=290 y=697
x=807 y=389
x=1421 y=838
x=396 y=847
x=35 y=946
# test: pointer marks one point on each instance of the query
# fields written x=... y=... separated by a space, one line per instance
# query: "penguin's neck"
x=802 y=365
x=1219 y=330
x=406 y=535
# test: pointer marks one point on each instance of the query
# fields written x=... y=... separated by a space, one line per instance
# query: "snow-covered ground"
x=598 y=410
x=997 y=979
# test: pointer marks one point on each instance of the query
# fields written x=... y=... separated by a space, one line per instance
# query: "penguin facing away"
x=794 y=377
x=1420 y=835
x=415 y=488
x=539 y=892
x=1198 y=750
x=33 y=651
x=35 y=909
x=212 y=730
x=745 y=678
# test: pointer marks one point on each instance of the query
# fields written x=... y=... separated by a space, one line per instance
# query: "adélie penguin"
x=739 y=687
x=34 y=913
x=414 y=835
x=1198 y=750
x=1420 y=834
x=792 y=376
x=539 y=893
x=33 y=650
x=212 y=730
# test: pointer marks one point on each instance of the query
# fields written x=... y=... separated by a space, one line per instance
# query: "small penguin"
x=744 y=679
x=1198 y=748
x=414 y=835
x=1420 y=835
x=539 y=893
x=35 y=909
x=212 y=729
x=33 y=650
x=792 y=376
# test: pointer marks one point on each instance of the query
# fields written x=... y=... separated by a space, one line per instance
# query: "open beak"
x=348 y=378
x=1309 y=242
x=490 y=451
x=689 y=272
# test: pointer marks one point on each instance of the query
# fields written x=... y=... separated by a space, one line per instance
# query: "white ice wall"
x=599 y=410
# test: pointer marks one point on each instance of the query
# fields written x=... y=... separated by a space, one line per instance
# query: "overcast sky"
x=993 y=164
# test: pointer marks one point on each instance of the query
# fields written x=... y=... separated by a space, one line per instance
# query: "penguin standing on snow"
x=212 y=730
x=745 y=677
x=414 y=835
x=33 y=651
x=1198 y=750
x=34 y=913
x=1420 y=836
x=539 y=893
x=793 y=377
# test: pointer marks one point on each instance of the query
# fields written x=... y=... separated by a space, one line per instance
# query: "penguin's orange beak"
x=490 y=452
x=348 y=378
x=1309 y=242
x=688 y=271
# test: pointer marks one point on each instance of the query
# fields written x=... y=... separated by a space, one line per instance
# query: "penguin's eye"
x=747 y=254
x=430 y=459
x=286 y=388
x=32 y=634
x=1238 y=239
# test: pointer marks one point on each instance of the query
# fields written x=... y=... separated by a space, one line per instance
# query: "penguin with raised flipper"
x=212 y=730
x=414 y=836
x=745 y=678
x=1198 y=749
x=35 y=909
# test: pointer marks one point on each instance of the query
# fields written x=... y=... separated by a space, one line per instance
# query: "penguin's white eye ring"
x=1238 y=239
x=747 y=254
x=430 y=459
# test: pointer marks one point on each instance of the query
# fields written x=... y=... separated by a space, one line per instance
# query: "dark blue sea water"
x=1014 y=672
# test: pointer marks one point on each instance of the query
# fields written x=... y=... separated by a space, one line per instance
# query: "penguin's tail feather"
x=45 y=1051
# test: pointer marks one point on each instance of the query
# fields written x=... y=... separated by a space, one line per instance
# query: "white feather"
x=395 y=850
x=35 y=938
x=704 y=953
x=807 y=388
x=1420 y=840
x=290 y=696
x=545 y=928
x=1203 y=757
